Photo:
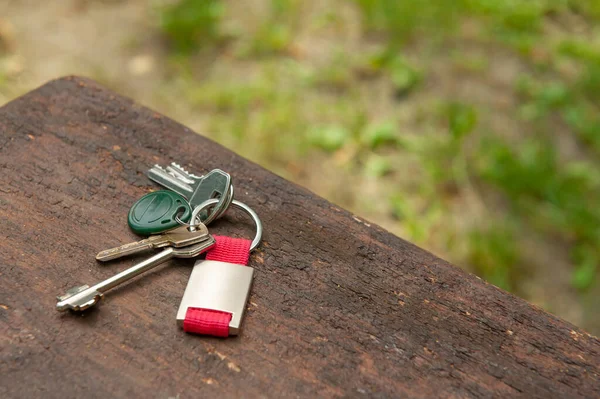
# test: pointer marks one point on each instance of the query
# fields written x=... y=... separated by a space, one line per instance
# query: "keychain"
x=215 y=298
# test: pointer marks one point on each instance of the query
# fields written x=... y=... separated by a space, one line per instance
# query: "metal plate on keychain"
x=157 y=211
x=219 y=287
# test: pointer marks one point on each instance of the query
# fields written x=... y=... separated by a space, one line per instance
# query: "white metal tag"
x=218 y=286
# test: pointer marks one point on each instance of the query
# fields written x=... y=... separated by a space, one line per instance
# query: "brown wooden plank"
x=339 y=307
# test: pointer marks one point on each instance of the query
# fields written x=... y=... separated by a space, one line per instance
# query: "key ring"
x=249 y=211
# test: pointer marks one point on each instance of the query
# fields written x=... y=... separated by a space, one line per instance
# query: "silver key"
x=197 y=189
x=182 y=174
x=182 y=170
x=179 y=237
x=215 y=184
x=175 y=177
x=171 y=181
x=84 y=297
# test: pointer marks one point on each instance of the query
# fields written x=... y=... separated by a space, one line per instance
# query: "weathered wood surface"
x=339 y=307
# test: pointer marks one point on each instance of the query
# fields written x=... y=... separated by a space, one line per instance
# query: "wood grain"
x=339 y=308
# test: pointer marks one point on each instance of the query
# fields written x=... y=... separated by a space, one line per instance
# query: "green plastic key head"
x=156 y=212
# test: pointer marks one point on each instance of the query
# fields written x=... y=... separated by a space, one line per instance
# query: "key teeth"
x=89 y=303
x=180 y=168
x=184 y=171
x=171 y=182
x=64 y=304
x=176 y=171
x=159 y=170
x=179 y=175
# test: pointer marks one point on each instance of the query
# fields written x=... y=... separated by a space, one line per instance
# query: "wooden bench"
x=339 y=306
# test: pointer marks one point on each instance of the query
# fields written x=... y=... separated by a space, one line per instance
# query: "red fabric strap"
x=207 y=322
x=230 y=250
x=216 y=322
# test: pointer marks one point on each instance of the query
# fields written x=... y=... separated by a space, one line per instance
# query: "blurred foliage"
x=449 y=152
x=191 y=23
x=553 y=197
x=398 y=21
x=274 y=35
x=494 y=252
x=329 y=138
x=379 y=134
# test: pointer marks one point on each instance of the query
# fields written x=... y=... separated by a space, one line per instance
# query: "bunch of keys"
x=197 y=189
x=179 y=243
x=215 y=287
x=162 y=210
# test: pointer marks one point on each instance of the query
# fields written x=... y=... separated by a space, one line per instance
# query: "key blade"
x=128 y=249
x=179 y=237
x=185 y=172
x=182 y=174
x=175 y=173
x=158 y=175
x=71 y=292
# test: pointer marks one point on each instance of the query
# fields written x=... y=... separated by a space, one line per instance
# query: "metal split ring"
x=215 y=214
x=206 y=204
x=181 y=222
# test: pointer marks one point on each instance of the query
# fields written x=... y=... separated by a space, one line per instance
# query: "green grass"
x=448 y=175
x=495 y=253
x=400 y=21
x=275 y=33
x=556 y=198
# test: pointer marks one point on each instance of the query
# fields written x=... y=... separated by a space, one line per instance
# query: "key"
x=197 y=188
x=84 y=297
x=175 y=178
x=157 y=211
x=171 y=181
x=215 y=184
x=179 y=237
x=182 y=174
